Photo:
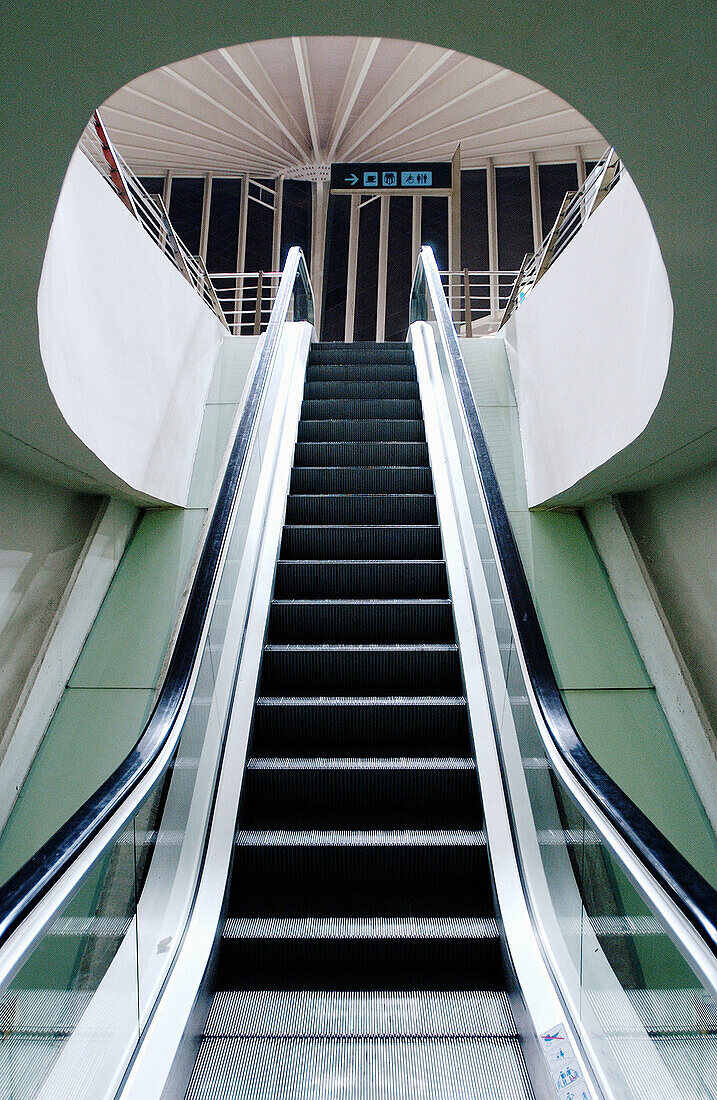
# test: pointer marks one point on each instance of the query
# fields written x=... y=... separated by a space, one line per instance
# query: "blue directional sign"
x=413 y=178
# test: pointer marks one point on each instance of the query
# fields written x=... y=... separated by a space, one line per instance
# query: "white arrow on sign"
x=351 y=179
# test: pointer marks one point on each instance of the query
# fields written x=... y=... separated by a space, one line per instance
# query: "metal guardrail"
x=246 y=299
x=149 y=210
x=477 y=297
x=242 y=300
x=576 y=208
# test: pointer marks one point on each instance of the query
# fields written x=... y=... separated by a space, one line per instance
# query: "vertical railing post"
x=468 y=303
x=257 y=312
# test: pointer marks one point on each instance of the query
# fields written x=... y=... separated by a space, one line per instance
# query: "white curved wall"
x=589 y=346
x=127 y=345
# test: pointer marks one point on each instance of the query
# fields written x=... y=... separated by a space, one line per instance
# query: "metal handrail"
x=574 y=211
x=105 y=813
x=670 y=874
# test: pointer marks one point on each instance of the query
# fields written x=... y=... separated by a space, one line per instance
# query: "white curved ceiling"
x=291 y=106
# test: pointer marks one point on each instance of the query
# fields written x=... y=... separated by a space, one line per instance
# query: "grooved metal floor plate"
x=360 y=1069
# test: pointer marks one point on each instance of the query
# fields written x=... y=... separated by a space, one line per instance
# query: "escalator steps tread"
x=360 y=954
x=346 y=1015
x=359 y=1068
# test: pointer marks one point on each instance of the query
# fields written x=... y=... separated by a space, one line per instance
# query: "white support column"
x=319 y=215
x=206 y=203
x=492 y=232
x=276 y=239
x=167 y=190
x=416 y=230
x=535 y=206
x=243 y=212
x=352 y=265
x=454 y=214
x=241 y=249
x=382 y=269
x=580 y=161
x=454 y=237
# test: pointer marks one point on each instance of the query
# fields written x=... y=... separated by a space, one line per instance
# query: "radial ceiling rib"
x=364 y=53
x=211 y=151
x=287 y=123
x=447 y=124
x=222 y=107
x=404 y=78
x=175 y=136
x=420 y=143
x=177 y=157
x=425 y=111
x=292 y=106
x=302 y=65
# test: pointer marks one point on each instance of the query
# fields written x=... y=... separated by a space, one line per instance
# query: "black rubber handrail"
x=689 y=891
x=33 y=880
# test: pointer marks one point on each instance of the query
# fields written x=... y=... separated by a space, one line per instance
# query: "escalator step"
x=337 y=860
x=359 y=953
x=358 y=372
x=367 y=724
x=361 y=479
x=355 y=409
x=361 y=454
x=361 y=620
x=348 y=1015
x=360 y=669
x=360 y=792
x=355 y=542
x=361 y=508
x=365 y=390
x=304 y=579
x=362 y=353
x=369 y=429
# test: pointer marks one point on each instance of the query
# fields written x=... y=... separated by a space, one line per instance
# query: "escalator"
x=359 y=850
x=360 y=935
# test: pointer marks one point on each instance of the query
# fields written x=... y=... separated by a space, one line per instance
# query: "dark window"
x=367 y=271
x=555 y=181
x=399 y=274
x=336 y=267
x=223 y=236
x=515 y=217
x=296 y=218
x=434 y=228
x=259 y=226
x=186 y=199
x=589 y=165
x=474 y=221
x=154 y=185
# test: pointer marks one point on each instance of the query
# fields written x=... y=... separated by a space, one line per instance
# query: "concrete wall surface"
x=589 y=346
x=643 y=75
x=42 y=534
x=127 y=344
x=674 y=528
